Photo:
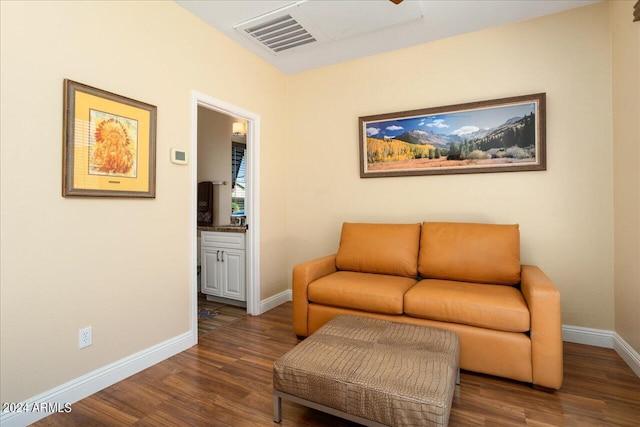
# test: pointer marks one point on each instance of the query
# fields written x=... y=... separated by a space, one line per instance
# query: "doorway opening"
x=251 y=167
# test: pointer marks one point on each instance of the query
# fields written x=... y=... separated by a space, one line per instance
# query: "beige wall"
x=626 y=175
x=214 y=158
x=120 y=266
x=565 y=213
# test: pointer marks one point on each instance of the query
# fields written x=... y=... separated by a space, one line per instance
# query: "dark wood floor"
x=226 y=380
x=212 y=315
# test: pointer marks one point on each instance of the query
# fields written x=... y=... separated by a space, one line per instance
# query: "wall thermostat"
x=179 y=156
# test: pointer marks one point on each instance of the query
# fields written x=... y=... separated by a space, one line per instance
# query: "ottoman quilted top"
x=391 y=373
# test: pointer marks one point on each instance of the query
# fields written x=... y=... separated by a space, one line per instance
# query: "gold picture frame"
x=109 y=144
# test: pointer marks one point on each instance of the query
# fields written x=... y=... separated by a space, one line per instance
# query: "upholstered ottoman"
x=373 y=372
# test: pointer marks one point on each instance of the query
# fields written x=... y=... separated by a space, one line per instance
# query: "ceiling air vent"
x=280 y=34
x=282 y=30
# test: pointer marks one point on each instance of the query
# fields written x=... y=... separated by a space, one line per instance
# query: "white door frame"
x=252 y=194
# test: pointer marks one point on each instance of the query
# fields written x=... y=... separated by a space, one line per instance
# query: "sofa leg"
x=542 y=388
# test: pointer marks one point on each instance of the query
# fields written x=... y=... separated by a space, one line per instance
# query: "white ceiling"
x=349 y=29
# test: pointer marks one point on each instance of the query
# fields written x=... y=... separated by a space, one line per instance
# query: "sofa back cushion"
x=466 y=252
x=379 y=248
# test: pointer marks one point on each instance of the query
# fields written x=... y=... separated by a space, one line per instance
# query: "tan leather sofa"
x=463 y=277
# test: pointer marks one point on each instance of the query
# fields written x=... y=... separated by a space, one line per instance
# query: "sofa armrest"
x=303 y=275
x=543 y=300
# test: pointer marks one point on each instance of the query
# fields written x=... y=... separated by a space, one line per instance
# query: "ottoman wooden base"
x=373 y=372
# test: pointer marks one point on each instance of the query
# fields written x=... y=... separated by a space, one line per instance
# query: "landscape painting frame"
x=498 y=135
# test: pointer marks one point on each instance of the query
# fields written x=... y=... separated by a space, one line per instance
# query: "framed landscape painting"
x=109 y=144
x=500 y=135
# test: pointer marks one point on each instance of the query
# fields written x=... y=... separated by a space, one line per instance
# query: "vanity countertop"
x=228 y=228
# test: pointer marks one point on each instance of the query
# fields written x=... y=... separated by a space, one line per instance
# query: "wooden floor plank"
x=226 y=380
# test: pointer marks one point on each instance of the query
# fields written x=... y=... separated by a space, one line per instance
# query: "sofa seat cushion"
x=497 y=307
x=375 y=293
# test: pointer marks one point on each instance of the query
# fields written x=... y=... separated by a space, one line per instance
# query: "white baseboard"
x=603 y=338
x=275 y=300
x=95 y=381
x=588 y=336
x=628 y=354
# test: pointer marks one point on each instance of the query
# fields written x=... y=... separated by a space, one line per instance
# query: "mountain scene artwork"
x=479 y=139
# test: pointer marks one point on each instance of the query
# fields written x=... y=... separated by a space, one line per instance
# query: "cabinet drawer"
x=222 y=240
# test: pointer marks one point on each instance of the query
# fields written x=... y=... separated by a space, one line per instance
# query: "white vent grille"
x=280 y=34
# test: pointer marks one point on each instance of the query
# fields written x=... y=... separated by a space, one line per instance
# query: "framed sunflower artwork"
x=109 y=144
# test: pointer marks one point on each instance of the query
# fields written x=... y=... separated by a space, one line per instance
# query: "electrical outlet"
x=84 y=337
